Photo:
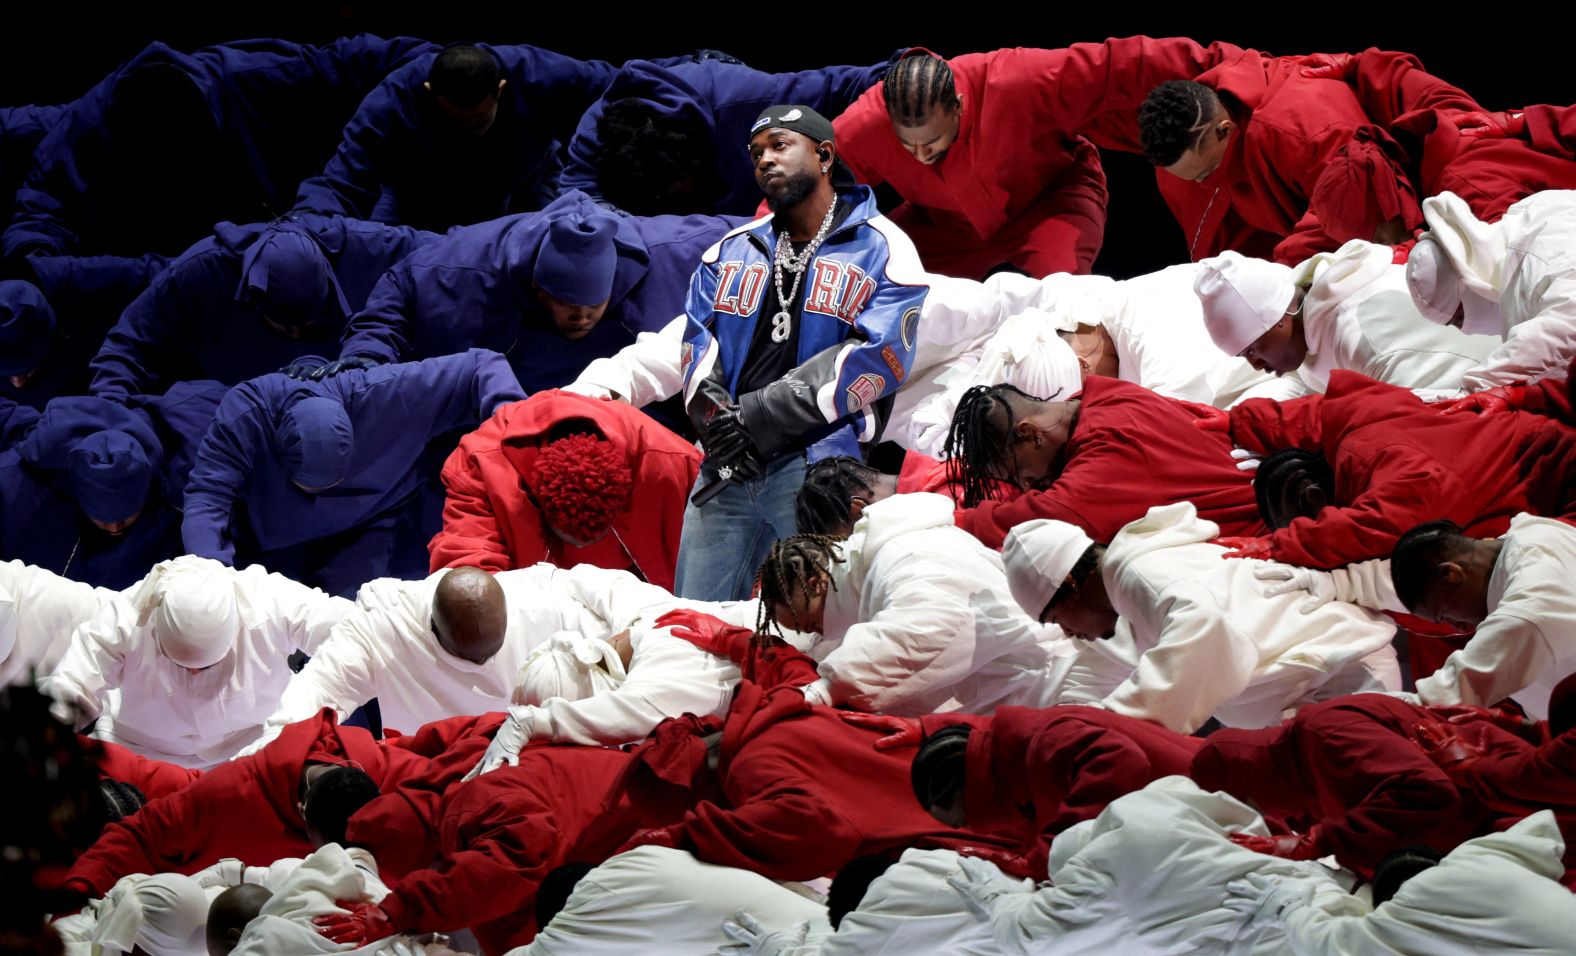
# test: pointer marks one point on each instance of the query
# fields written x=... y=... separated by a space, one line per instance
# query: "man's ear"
x=501 y=84
x=1449 y=574
x=1224 y=127
x=856 y=507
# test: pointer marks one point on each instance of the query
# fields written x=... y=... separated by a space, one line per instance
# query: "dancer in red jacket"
x=1029 y=774
x=250 y=808
x=1099 y=460
x=571 y=480
x=1349 y=776
x=985 y=151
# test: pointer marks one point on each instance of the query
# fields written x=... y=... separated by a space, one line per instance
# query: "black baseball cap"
x=791 y=116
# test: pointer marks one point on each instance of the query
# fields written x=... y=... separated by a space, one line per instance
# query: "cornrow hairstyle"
x=789 y=567
x=918 y=85
x=1174 y=116
x=938 y=769
x=1087 y=564
x=121 y=799
x=825 y=502
x=1417 y=553
x=1273 y=473
x=979 y=441
x=1401 y=865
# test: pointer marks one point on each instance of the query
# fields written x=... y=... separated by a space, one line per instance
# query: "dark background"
x=56 y=50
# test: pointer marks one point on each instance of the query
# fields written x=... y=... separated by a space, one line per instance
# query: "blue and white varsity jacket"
x=860 y=324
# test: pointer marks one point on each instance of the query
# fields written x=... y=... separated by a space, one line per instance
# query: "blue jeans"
x=724 y=543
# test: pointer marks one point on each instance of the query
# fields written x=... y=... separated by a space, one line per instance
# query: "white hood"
x=1334 y=279
x=888 y=519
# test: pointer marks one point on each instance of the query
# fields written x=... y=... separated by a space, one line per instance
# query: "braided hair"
x=825 y=502
x=918 y=85
x=979 y=441
x=788 y=569
x=1277 y=469
x=1174 y=116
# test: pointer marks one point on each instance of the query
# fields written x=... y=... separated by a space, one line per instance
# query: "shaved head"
x=229 y=913
x=469 y=615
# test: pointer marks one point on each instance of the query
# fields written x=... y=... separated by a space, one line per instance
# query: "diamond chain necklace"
x=785 y=259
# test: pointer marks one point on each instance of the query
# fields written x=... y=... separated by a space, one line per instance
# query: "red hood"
x=318 y=739
x=524 y=425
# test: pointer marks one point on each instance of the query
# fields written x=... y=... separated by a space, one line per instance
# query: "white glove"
x=1411 y=697
x=506 y=744
x=227 y=872
x=1246 y=460
x=750 y=938
x=590 y=390
x=1260 y=900
x=1320 y=585
x=819 y=692
x=981 y=884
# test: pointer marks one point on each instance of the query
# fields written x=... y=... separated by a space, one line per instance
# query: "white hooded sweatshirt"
x=39 y=610
x=1147 y=877
x=657 y=900
x=920 y=615
x=161 y=915
x=1527 y=644
x=1496 y=894
x=1522 y=271
x=186 y=665
x=1212 y=644
x=313 y=889
x=386 y=648
x=1358 y=316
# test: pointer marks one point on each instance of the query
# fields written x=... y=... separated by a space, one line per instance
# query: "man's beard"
x=796 y=188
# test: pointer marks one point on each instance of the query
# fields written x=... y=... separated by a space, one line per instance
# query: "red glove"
x=1327 y=66
x=1459 y=714
x=1013 y=864
x=1444 y=745
x=668 y=836
x=900 y=731
x=1207 y=418
x=362 y=923
x=1287 y=846
x=1505 y=397
x=1479 y=124
x=1246 y=547
x=709 y=634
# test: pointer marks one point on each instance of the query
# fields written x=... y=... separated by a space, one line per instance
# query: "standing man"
x=799 y=327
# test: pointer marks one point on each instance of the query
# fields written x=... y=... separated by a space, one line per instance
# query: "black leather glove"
x=344 y=365
x=302 y=368
x=729 y=446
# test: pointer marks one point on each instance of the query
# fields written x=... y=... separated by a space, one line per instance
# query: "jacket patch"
x=909 y=327
x=864 y=390
x=893 y=362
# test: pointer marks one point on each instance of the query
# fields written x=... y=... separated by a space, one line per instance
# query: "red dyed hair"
x=582 y=485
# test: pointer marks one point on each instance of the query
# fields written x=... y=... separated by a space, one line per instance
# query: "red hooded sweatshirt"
x=1398 y=463
x=1032 y=773
x=491 y=521
x=1130 y=450
x=247 y=808
x=155 y=778
x=1348 y=773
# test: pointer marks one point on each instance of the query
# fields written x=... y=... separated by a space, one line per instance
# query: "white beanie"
x=1038 y=556
x=1433 y=281
x=1242 y=298
x=1457 y=262
x=569 y=666
x=1027 y=353
x=193 y=608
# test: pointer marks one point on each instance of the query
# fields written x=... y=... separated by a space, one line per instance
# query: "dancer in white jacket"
x=1347 y=309
x=453 y=643
x=1496 y=894
x=911 y=612
x=39 y=610
x=1514 y=592
x=1147 y=876
x=186 y=665
x=655 y=899
x=1514 y=279
x=1198 y=634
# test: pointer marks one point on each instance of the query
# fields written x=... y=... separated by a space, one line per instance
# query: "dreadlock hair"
x=979 y=439
x=649 y=163
x=1418 y=552
x=1399 y=866
x=825 y=502
x=1174 y=116
x=789 y=567
x=917 y=85
x=1279 y=468
x=464 y=74
x=938 y=769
